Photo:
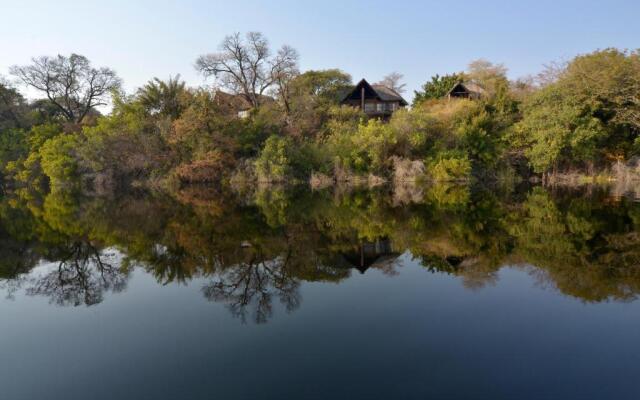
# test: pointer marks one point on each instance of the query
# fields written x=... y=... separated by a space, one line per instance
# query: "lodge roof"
x=470 y=87
x=383 y=92
x=387 y=94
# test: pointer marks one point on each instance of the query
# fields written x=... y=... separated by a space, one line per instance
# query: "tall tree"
x=245 y=65
x=312 y=94
x=551 y=73
x=284 y=74
x=322 y=85
x=394 y=81
x=490 y=76
x=166 y=98
x=70 y=83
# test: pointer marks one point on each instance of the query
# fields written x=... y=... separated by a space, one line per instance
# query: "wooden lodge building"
x=466 y=90
x=374 y=100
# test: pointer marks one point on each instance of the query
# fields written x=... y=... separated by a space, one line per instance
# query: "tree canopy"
x=436 y=88
x=70 y=83
x=246 y=65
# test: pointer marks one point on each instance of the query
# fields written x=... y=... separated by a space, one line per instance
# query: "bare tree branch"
x=393 y=81
x=246 y=67
x=69 y=83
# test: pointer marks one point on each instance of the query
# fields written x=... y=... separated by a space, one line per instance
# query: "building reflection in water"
x=376 y=254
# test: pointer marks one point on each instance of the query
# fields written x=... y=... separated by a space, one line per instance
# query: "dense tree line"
x=581 y=117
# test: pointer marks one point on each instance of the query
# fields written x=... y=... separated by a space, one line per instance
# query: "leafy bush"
x=437 y=88
x=210 y=168
x=367 y=149
x=59 y=159
x=26 y=167
x=274 y=162
x=450 y=167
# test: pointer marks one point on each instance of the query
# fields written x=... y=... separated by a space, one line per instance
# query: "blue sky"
x=143 y=39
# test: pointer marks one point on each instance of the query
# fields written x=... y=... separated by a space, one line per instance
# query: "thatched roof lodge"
x=377 y=254
x=466 y=90
x=375 y=100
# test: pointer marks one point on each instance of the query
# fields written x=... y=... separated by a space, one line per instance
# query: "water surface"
x=436 y=292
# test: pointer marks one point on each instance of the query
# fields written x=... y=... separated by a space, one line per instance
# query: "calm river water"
x=436 y=292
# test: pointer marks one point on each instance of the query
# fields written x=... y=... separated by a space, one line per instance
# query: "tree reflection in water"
x=254 y=285
x=81 y=278
x=255 y=248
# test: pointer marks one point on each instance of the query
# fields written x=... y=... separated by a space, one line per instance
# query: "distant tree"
x=70 y=83
x=523 y=87
x=551 y=73
x=437 y=88
x=284 y=74
x=393 y=81
x=164 y=97
x=490 y=76
x=12 y=106
x=589 y=116
x=325 y=85
x=44 y=111
x=246 y=66
x=610 y=79
x=312 y=94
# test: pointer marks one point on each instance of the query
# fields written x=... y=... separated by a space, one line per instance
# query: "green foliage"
x=199 y=127
x=584 y=119
x=125 y=144
x=59 y=159
x=275 y=160
x=607 y=81
x=40 y=134
x=491 y=77
x=23 y=154
x=450 y=166
x=13 y=146
x=166 y=98
x=372 y=146
x=314 y=96
x=344 y=119
x=437 y=88
x=324 y=86
x=412 y=130
x=478 y=137
x=367 y=149
x=587 y=117
x=13 y=107
x=559 y=131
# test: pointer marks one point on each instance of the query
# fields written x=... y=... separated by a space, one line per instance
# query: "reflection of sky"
x=73 y=281
x=369 y=336
x=109 y=255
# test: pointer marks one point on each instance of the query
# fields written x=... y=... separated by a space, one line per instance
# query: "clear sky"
x=143 y=39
